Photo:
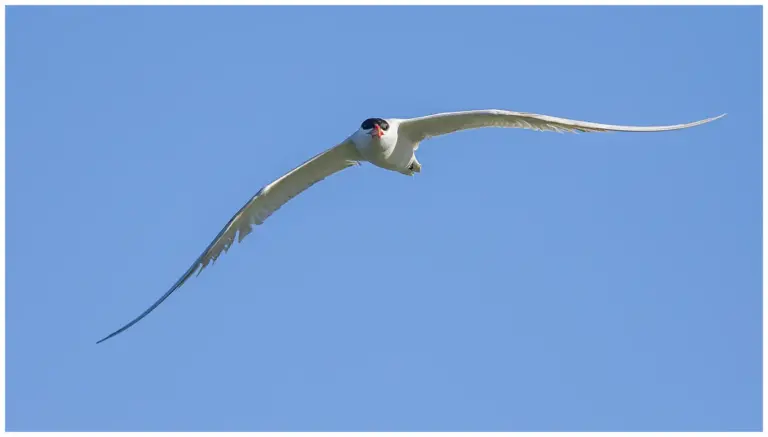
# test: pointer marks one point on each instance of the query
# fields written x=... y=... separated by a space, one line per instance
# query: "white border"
x=352 y=2
x=391 y=2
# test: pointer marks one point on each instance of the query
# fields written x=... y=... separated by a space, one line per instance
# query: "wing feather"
x=421 y=128
x=262 y=205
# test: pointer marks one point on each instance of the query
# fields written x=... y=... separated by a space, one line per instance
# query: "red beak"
x=377 y=132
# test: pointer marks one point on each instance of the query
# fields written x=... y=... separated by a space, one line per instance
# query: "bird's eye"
x=384 y=125
x=367 y=124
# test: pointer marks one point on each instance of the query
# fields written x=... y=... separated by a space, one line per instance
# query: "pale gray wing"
x=421 y=128
x=268 y=200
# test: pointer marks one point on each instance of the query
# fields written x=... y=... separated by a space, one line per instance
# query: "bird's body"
x=389 y=151
x=387 y=143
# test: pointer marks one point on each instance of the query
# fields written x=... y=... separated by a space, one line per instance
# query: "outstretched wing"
x=268 y=200
x=421 y=128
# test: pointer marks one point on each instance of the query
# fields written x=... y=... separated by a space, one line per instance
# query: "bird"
x=388 y=143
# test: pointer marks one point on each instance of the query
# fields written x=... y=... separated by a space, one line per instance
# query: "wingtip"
x=718 y=117
x=709 y=120
x=105 y=338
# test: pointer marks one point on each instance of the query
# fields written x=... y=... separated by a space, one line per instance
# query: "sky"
x=523 y=281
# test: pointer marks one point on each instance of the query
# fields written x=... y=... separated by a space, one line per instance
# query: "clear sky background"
x=523 y=281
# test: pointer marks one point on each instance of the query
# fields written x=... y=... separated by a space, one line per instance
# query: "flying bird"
x=389 y=143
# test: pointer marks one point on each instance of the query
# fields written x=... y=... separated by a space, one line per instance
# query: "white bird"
x=387 y=143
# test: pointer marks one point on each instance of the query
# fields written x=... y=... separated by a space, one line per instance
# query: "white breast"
x=391 y=151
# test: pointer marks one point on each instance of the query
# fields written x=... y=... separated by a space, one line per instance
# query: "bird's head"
x=375 y=127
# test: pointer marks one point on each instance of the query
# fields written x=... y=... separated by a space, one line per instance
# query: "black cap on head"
x=369 y=123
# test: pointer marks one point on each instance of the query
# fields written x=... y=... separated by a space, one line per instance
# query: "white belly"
x=392 y=155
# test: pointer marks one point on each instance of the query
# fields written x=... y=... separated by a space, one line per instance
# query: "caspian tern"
x=387 y=143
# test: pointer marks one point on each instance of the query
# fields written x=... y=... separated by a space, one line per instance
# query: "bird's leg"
x=415 y=166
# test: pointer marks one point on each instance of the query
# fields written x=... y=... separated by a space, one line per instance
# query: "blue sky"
x=523 y=281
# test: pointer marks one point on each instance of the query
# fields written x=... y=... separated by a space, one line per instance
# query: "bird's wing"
x=421 y=128
x=268 y=200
